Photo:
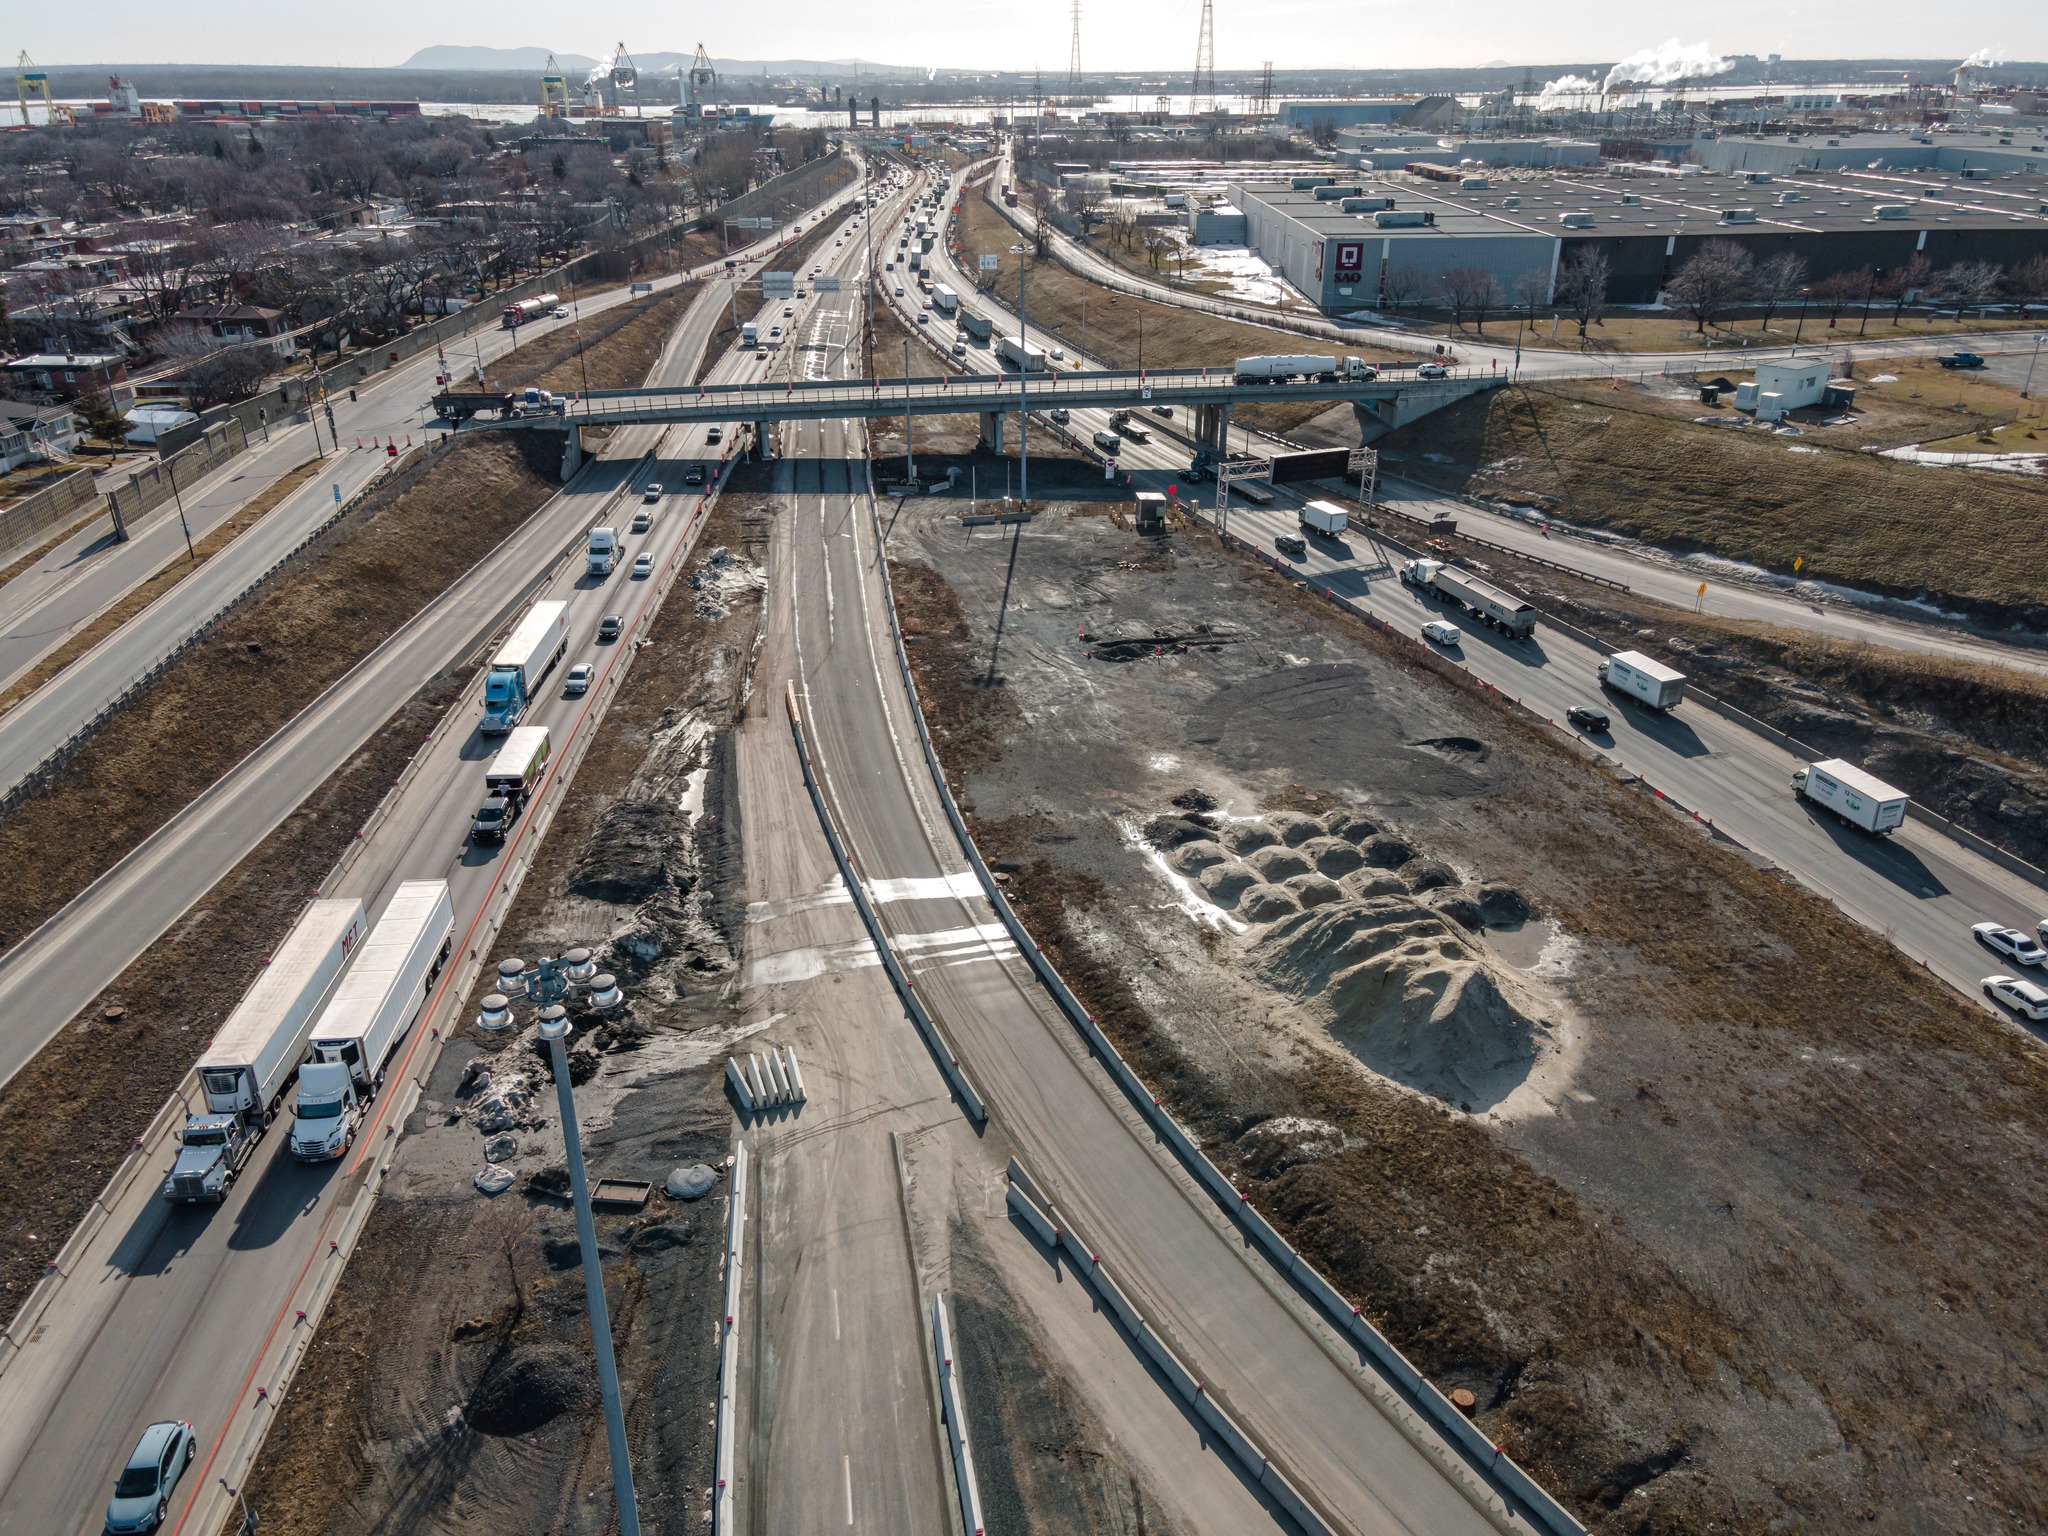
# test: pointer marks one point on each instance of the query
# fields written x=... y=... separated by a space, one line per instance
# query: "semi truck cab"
x=212 y=1151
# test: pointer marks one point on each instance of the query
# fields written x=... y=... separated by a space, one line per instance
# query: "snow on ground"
x=1243 y=274
x=2004 y=463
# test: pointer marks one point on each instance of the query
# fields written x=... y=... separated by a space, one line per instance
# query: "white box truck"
x=1858 y=798
x=1649 y=682
x=1323 y=517
x=244 y=1071
x=1019 y=354
x=511 y=780
x=528 y=655
x=1482 y=599
x=377 y=1002
x=944 y=299
x=603 y=551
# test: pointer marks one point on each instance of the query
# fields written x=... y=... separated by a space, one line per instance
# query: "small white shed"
x=1800 y=382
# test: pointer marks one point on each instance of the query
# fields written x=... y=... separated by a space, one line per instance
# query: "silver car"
x=142 y=1494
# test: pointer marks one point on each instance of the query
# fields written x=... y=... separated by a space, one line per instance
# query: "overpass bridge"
x=1208 y=395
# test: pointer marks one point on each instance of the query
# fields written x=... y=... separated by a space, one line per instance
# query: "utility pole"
x=909 y=456
x=1023 y=387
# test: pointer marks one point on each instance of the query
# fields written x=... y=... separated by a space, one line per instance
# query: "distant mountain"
x=458 y=56
x=451 y=56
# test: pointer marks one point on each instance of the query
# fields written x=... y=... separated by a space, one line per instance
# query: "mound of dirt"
x=1251 y=837
x=531 y=1385
x=1315 y=890
x=1394 y=986
x=1277 y=864
x=626 y=859
x=1267 y=903
x=1332 y=855
x=1350 y=826
x=1193 y=858
x=1227 y=881
x=1294 y=828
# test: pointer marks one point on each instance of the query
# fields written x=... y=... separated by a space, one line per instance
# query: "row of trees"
x=1722 y=276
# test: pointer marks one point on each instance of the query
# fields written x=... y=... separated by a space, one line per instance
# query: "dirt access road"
x=1651 y=1152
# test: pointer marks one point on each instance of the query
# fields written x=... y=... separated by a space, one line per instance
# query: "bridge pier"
x=992 y=430
x=572 y=453
x=763 y=449
x=1212 y=428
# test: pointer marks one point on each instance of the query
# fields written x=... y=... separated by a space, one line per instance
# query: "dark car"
x=1586 y=719
x=1289 y=544
x=1961 y=360
x=608 y=627
x=142 y=1495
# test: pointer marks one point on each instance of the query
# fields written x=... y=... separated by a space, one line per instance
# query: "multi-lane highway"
x=63 y=591
x=171 y=1312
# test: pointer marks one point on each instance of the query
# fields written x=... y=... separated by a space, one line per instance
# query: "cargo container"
x=1482 y=599
x=1018 y=354
x=528 y=655
x=1639 y=677
x=1858 y=798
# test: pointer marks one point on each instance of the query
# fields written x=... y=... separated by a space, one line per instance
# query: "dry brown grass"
x=1967 y=540
x=140 y=596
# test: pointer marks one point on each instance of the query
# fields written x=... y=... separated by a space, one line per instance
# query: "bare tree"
x=1322 y=129
x=1532 y=291
x=1398 y=286
x=1969 y=285
x=1835 y=293
x=1715 y=277
x=1469 y=291
x=1908 y=283
x=1777 y=282
x=1582 y=286
x=2026 y=282
x=1157 y=244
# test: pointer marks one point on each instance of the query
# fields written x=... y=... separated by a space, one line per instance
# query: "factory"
x=1386 y=239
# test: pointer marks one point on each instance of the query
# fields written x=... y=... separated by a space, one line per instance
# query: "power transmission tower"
x=1074 y=57
x=1205 y=61
x=1263 y=107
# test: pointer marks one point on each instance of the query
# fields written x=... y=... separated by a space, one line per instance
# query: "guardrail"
x=727 y=1429
x=1488 y=1459
x=954 y=1410
x=32 y=781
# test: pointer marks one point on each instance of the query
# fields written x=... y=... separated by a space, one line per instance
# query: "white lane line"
x=846 y=1464
x=835 y=1314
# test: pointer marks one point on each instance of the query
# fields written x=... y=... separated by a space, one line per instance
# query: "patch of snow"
x=2001 y=463
x=1886 y=378
x=1185 y=896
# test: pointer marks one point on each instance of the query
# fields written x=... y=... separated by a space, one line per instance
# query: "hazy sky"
x=978 y=33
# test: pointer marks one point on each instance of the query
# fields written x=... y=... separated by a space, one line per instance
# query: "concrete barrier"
x=935 y=1041
x=738 y=1079
x=796 y=1076
x=722 y=1521
x=955 y=1413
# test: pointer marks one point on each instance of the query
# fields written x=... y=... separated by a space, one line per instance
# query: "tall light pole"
x=548 y=983
x=909 y=457
x=1023 y=385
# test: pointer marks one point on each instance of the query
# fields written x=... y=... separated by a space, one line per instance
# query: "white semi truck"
x=944 y=299
x=245 y=1070
x=1482 y=599
x=1643 y=678
x=602 y=551
x=1858 y=798
x=528 y=655
x=1018 y=354
x=377 y=1002
x=1283 y=367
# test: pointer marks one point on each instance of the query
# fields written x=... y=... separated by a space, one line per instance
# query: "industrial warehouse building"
x=1372 y=242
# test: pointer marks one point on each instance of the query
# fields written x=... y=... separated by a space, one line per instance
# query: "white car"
x=774 y=331
x=578 y=680
x=1442 y=633
x=899 y=290
x=654 y=491
x=560 y=312
x=2010 y=942
x=2020 y=996
x=1057 y=355
x=788 y=310
x=643 y=567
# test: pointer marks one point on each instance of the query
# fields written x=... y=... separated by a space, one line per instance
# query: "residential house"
x=241 y=325
x=32 y=434
x=60 y=376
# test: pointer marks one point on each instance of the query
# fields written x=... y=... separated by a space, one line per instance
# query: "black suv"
x=1594 y=720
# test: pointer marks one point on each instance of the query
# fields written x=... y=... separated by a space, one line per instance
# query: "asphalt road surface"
x=173 y=1312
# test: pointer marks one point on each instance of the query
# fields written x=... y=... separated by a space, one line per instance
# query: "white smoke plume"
x=1667 y=65
x=1564 y=90
x=1984 y=58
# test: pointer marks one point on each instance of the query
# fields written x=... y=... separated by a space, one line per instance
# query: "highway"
x=177 y=1312
x=53 y=604
x=1919 y=888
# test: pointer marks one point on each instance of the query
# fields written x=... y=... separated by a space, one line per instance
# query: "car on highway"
x=788 y=310
x=608 y=628
x=924 y=319
x=2010 y=942
x=774 y=333
x=1587 y=718
x=1432 y=371
x=1059 y=414
x=643 y=567
x=1439 y=633
x=1057 y=354
x=142 y=1493
x=959 y=349
x=578 y=680
x=714 y=434
x=642 y=521
x=653 y=491
x=694 y=475
x=560 y=312
x=1961 y=360
x=2020 y=996
x=899 y=290
x=1292 y=545
x=1162 y=410
x=761 y=352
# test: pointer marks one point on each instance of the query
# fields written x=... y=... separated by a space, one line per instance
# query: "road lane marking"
x=846 y=1465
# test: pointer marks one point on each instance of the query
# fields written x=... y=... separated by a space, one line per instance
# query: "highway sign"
x=990 y=263
x=778 y=285
x=751 y=223
x=1109 y=469
x=826 y=282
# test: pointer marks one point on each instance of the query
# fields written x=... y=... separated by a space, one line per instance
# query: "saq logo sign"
x=1350 y=260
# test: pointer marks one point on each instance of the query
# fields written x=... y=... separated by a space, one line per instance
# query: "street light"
x=575 y=974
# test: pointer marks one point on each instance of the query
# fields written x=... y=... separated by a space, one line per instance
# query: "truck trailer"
x=528 y=655
x=1482 y=599
x=1641 y=678
x=510 y=780
x=977 y=326
x=376 y=1004
x=1018 y=354
x=1858 y=798
x=944 y=299
x=244 y=1071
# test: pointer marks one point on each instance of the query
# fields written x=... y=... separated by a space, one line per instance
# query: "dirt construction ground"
x=472 y=1407
x=1727 y=1218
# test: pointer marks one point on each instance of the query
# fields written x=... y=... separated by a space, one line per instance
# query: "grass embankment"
x=144 y=593
x=1963 y=539
x=1129 y=332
